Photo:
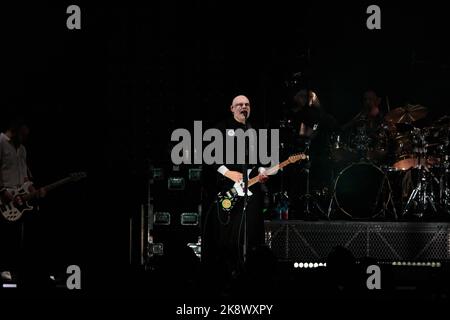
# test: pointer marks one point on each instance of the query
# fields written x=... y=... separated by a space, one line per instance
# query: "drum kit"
x=397 y=171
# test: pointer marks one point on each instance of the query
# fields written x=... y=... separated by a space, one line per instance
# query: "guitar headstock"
x=297 y=157
x=78 y=176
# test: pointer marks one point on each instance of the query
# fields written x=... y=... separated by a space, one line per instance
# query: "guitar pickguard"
x=13 y=211
x=228 y=199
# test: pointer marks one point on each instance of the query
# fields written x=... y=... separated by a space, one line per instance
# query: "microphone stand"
x=308 y=197
x=244 y=208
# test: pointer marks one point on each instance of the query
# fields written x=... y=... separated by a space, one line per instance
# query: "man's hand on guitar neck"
x=40 y=193
x=234 y=175
x=262 y=177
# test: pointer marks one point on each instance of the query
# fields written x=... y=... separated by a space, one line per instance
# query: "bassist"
x=13 y=173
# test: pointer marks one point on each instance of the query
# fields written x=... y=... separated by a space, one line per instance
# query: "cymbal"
x=407 y=114
x=442 y=122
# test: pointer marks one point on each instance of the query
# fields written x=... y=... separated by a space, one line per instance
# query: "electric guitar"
x=14 y=210
x=228 y=199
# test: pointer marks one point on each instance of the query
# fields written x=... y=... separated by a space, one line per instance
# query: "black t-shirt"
x=215 y=181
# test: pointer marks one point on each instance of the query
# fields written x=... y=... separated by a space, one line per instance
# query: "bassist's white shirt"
x=13 y=164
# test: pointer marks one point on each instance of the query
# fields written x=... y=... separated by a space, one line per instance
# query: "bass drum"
x=362 y=191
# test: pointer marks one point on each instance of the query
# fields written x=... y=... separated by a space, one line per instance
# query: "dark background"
x=104 y=99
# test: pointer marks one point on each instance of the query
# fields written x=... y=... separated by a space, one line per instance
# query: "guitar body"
x=227 y=199
x=14 y=210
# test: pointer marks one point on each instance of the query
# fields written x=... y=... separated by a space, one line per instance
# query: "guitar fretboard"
x=271 y=170
x=58 y=183
x=49 y=187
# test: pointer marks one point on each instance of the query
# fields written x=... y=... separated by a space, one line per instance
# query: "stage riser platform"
x=303 y=241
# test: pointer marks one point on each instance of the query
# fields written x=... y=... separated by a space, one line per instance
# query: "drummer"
x=365 y=132
x=370 y=114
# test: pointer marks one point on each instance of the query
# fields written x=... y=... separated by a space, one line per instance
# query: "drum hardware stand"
x=330 y=206
x=309 y=198
x=422 y=195
x=444 y=188
x=390 y=201
x=379 y=193
x=335 y=175
x=333 y=195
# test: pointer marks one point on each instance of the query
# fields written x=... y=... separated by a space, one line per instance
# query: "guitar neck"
x=48 y=188
x=269 y=171
x=57 y=184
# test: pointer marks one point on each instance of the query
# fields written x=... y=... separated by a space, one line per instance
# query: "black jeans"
x=11 y=244
x=223 y=234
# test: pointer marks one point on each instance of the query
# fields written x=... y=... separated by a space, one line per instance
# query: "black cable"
x=240 y=254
